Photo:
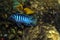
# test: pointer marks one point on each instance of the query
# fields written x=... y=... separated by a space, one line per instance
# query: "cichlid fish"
x=28 y=11
x=23 y=19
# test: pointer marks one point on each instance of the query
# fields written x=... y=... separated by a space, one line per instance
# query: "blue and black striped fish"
x=23 y=19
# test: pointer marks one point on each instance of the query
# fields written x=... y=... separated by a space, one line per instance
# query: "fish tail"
x=34 y=21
